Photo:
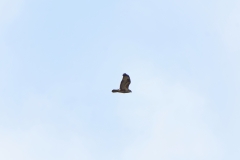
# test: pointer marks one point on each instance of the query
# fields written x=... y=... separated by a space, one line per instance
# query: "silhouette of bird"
x=124 y=85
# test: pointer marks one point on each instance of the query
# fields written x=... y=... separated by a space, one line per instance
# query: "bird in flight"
x=124 y=85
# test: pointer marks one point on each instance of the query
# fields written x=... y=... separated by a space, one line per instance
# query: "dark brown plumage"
x=124 y=85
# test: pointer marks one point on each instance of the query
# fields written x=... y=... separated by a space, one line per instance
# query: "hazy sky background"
x=59 y=61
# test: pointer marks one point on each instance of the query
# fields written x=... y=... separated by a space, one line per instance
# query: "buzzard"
x=124 y=85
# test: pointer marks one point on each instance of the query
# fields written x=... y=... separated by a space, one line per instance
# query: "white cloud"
x=10 y=149
x=231 y=34
x=167 y=118
x=9 y=10
x=42 y=142
x=38 y=127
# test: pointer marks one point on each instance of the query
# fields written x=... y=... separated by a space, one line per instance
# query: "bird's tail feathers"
x=115 y=90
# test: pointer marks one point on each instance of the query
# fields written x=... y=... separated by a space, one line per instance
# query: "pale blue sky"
x=59 y=62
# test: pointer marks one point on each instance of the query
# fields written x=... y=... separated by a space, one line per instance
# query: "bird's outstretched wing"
x=125 y=82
